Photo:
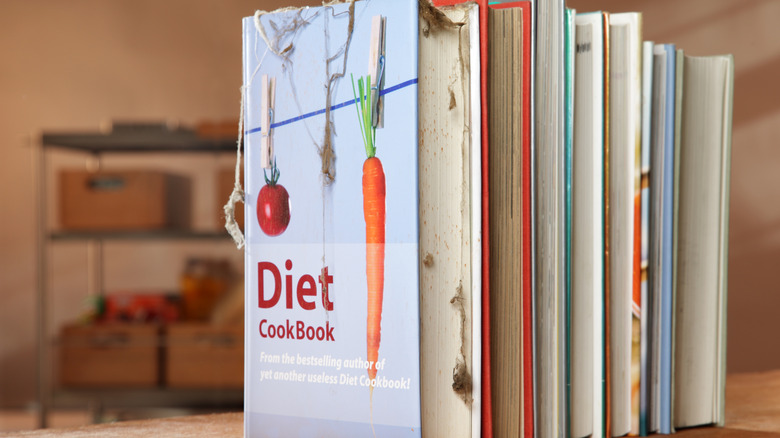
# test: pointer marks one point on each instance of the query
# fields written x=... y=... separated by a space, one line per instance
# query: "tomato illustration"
x=273 y=205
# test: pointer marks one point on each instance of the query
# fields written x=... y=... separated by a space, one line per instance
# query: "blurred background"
x=161 y=67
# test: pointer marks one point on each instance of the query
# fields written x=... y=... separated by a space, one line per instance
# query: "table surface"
x=752 y=410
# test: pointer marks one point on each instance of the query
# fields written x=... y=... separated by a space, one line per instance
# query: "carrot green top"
x=363 y=109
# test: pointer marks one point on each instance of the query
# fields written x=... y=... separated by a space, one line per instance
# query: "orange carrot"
x=374 y=213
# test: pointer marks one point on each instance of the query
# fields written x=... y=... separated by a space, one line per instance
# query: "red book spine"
x=528 y=370
x=487 y=405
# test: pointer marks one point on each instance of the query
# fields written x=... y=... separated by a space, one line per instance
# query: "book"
x=486 y=414
x=510 y=219
x=548 y=233
x=339 y=339
x=587 y=305
x=450 y=221
x=624 y=179
x=702 y=242
x=607 y=421
x=678 y=99
x=325 y=351
x=661 y=221
x=568 y=134
x=530 y=349
x=641 y=398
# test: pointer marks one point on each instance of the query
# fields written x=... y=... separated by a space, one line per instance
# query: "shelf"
x=122 y=138
x=139 y=235
x=144 y=140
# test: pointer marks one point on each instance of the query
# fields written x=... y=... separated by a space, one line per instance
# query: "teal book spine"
x=569 y=33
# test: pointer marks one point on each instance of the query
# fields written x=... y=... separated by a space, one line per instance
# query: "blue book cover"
x=662 y=220
x=332 y=264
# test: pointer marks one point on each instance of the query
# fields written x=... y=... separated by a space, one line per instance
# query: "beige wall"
x=73 y=65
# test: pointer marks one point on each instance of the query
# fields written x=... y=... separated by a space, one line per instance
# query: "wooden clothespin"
x=267 y=93
x=376 y=68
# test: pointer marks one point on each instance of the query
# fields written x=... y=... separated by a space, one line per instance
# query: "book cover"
x=528 y=242
x=332 y=264
x=529 y=349
x=661 y=203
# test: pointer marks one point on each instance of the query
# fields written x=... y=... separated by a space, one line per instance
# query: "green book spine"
x=569 y=33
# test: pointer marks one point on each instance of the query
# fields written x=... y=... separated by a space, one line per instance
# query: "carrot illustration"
x=374 y=215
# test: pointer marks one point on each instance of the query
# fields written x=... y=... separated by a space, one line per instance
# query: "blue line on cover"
x=334 y=107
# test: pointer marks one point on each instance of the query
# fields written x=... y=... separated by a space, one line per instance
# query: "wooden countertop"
x=752 y=411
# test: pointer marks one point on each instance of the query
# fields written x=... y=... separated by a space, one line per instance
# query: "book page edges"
x=448 y=297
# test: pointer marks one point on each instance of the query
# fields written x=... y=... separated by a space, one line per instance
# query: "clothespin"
x=267 y=93
x=376 y=68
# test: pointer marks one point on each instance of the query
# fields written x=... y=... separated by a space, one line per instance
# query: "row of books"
x=542 y=195
x=640 y=265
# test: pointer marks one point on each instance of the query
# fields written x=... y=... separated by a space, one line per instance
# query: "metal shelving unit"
x=122 y=139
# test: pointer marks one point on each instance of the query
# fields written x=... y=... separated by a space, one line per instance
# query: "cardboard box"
x=204 y=356
x=217 y=129
x=123 y=200
x=111 y=355
x=225 y=182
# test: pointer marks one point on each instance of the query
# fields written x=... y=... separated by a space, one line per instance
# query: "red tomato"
x=273 y=209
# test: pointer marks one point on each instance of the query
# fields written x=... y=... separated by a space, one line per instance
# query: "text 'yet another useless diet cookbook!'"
x=331 y=198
